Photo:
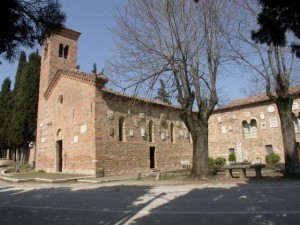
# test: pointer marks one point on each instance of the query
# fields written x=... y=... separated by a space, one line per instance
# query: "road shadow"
x=65 y=205
x=266 y=201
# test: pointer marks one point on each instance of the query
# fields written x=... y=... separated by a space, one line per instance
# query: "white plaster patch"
x=271 y=108
x=224 y=130
x=83 y=128
x=142 y=115
x=273 y=122
x=143 y=132
x=163 y=137
x=295 y=106
x=247 y=114
x=75 y=139
x=110 y=115
x=131 y=133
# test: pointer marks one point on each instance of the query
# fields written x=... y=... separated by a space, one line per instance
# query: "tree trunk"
x=289 y=138
x=200 y=151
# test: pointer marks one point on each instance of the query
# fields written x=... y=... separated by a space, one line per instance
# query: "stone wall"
x=226 y=130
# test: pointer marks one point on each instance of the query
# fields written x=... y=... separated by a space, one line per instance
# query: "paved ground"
x=172 y=200
x=269 y=201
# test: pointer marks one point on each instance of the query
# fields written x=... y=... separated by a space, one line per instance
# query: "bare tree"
x=273 y=63
x=182 y=43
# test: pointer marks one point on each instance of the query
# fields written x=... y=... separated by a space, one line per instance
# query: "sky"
x=94 y=20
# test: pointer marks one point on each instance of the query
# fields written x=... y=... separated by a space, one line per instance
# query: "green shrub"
x=220 y=161
x=211 y=162
x=232 y=157
x=215 y=170
x=272 y=158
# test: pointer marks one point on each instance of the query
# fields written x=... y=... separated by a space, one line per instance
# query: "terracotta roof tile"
x=252 y=100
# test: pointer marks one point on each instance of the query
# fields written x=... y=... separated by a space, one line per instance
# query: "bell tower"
x=58 y=52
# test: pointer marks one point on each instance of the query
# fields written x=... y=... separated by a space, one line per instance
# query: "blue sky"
x=94 y=19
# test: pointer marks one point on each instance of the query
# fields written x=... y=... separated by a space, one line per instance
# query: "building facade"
x=85 y=128
x=250 y=128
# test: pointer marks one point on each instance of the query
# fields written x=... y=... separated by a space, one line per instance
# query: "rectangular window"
x=269 y=149
x=121 y=127
x=61 y=50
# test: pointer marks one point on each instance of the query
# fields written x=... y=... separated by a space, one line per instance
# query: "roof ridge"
x=88 y=78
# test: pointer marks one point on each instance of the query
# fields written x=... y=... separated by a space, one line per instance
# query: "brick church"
x=85 y=128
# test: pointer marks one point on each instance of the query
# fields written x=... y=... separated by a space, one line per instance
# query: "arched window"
x=172 y=132
x=121 y=129
x=253 y=128
x=246 y=129
x=63 y=51
x=150 y=131
x=250 y=130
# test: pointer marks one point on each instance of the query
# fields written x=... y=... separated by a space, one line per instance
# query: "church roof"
x=88 y=78
x=100 y=80
x=254 y=100
x=110 y=93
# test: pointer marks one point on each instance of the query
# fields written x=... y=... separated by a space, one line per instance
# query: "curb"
x=104 y=181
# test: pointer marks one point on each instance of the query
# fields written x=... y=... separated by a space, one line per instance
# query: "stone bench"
x=185 y=164
x=242 y=170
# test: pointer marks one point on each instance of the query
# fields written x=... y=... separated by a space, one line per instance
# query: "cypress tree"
x=5 y=96
x=94 y=68
x=22 y=63
x=23 y=116
x=15 y=117
x=162 y=94
x=30 y=86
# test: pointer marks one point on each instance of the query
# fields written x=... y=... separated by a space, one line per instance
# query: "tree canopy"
x=180 y=42
x=276 y=20
x=23 y=115
x=23 y=23
x=162 y=93
x=5 y=96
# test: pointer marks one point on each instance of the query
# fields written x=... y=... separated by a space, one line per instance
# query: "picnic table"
x=242 y=169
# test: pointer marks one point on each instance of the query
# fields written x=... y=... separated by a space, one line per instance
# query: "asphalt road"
x=262 y=202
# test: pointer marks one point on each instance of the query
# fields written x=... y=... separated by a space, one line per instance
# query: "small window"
x=63 y=51
x=269 y=149
x=66 y=51
x=172 y=132
x=150 y=131
x=61 y=99
x=121 y=129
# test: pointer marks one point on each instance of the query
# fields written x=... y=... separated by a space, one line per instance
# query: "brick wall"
x=132 y=155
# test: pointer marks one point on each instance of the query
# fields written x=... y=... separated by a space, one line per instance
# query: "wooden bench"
x=242 y=170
